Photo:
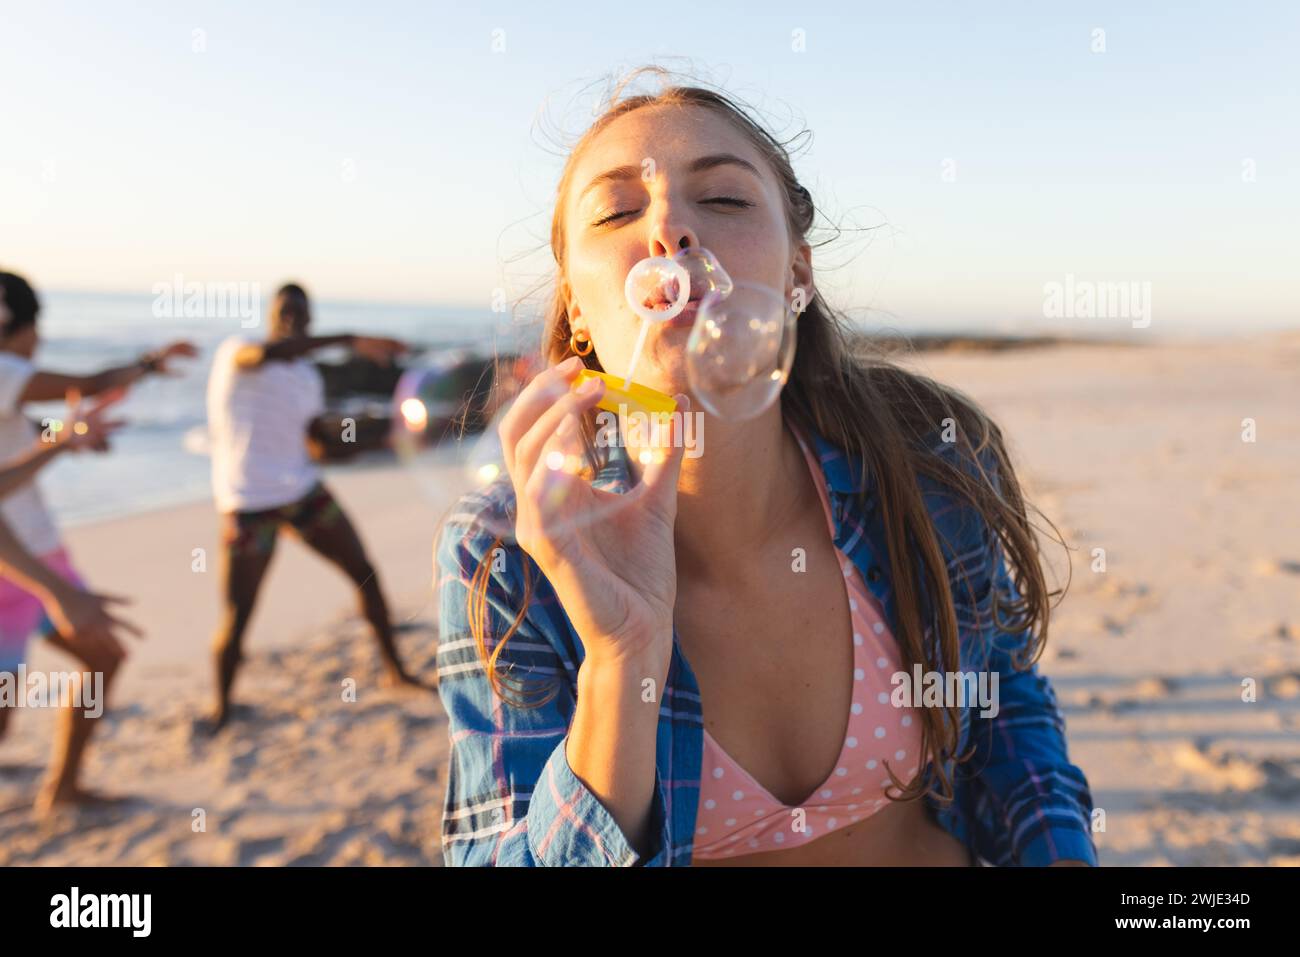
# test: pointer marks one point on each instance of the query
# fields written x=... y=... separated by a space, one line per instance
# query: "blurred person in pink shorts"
x=46 y=597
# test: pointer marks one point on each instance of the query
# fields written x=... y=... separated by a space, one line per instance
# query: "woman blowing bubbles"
x=661 y=685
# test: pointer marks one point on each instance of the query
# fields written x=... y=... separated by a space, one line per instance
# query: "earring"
x=575 y=342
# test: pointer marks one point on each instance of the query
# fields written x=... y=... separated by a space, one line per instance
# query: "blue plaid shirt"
x=512 y=798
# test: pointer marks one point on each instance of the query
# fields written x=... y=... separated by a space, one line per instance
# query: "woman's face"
x=654 y=181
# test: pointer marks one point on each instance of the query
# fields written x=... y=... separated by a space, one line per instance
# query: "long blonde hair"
x=881 y=416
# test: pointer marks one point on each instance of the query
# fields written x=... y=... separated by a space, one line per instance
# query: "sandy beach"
x=301 y=776
x=1136 y=450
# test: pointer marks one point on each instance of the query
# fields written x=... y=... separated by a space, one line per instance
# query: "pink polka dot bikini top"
x=738 y=816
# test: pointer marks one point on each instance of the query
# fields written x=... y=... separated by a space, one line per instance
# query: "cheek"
x=757 y=251
x=614 y=335
x=597 y=282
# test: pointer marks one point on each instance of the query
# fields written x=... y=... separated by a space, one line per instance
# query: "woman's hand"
x=610 y=557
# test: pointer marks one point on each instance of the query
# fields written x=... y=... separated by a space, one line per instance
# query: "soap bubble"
x=657 y=288
x=706 y=273
x=740 y=350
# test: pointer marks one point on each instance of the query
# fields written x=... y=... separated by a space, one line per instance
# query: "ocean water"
x=149 y=465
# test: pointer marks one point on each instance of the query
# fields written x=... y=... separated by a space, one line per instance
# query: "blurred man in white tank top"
x=265 y=402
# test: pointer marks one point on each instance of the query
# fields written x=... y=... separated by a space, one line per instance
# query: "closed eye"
x=732 y=201
x=613 y=216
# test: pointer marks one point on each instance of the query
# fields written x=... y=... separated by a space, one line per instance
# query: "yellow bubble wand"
x=626 y=395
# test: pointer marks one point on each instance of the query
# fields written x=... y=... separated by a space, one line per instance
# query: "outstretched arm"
x=253 y=354
x=375 y=348
x=46 y=386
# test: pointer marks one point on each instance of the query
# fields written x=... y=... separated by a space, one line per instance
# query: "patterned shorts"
x=254 y=533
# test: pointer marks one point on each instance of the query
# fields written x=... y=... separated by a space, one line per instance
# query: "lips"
x=660 y=303
x=663 y=297
x=685 y=318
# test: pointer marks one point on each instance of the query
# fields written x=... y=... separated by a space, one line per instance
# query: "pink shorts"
x=22 y=614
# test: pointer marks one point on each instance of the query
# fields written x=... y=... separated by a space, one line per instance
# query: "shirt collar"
x=842 y=474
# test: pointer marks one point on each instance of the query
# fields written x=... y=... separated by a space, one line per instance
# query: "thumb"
x=660 y=477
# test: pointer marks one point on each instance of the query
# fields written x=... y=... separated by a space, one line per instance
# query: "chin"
x=668 y=371
x=669 y=382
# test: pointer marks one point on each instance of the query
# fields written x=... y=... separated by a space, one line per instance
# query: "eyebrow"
x=721 y=159
x=622 y=173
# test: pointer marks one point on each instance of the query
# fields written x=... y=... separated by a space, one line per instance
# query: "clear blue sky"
x=384 y=151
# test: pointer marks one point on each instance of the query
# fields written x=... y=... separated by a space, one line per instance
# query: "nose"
x=669 y=234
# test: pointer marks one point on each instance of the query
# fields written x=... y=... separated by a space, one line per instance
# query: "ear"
x=801 y=272
x=571 y=306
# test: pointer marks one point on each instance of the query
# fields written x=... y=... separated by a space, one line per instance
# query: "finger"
x=529 y=449
x=532 y=401
x=127 y=626
x=95 y=426
x=662 y=473
x=104 y=598
x=556 y=499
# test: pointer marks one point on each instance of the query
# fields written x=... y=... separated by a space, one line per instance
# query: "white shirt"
x=257 y=428
x=23 y=510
